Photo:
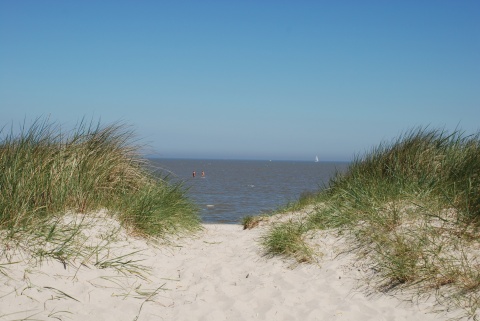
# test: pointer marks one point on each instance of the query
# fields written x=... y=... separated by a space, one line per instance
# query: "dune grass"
x=412 y=207
x=46 y=173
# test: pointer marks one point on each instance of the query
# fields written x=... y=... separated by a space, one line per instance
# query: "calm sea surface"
x=232 y=189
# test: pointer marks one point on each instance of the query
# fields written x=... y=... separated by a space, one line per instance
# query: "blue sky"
x=244 y=79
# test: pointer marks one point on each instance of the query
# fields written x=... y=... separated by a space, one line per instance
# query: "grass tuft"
x=287 y=239
x=413 y=207
x=46 y=173
x=250 y=221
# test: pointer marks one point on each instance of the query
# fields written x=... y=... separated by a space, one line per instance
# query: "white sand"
x=219 y=274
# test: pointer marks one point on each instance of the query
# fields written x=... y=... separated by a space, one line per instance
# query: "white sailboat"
x=316 y=159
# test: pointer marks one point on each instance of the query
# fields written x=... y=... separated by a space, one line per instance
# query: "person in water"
x=203 y=174
x=193 y=174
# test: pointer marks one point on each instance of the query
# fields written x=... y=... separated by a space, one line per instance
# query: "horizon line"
x=245 y=159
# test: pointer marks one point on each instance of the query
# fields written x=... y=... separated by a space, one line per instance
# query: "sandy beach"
x=218 y=274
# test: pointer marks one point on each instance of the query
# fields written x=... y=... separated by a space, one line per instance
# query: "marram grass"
x=413 y=208
x=287 y=239
x=46 y=173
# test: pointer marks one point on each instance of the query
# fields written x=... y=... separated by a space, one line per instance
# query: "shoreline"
x=220 y=273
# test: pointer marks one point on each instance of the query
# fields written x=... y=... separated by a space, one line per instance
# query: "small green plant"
x=286 y=239
x=250 y=222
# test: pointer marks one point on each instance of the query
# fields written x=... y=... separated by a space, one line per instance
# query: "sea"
x=229 y=190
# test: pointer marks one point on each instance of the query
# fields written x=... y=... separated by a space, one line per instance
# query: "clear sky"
x=246 y=79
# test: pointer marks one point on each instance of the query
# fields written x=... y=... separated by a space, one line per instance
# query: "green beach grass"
x=411 y=208
x=45 y=174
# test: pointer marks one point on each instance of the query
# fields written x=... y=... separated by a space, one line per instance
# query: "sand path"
x=220 y=274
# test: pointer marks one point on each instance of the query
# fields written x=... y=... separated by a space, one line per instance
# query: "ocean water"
x=232 y=189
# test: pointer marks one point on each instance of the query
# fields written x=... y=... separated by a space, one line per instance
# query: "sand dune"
x=220 y=274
